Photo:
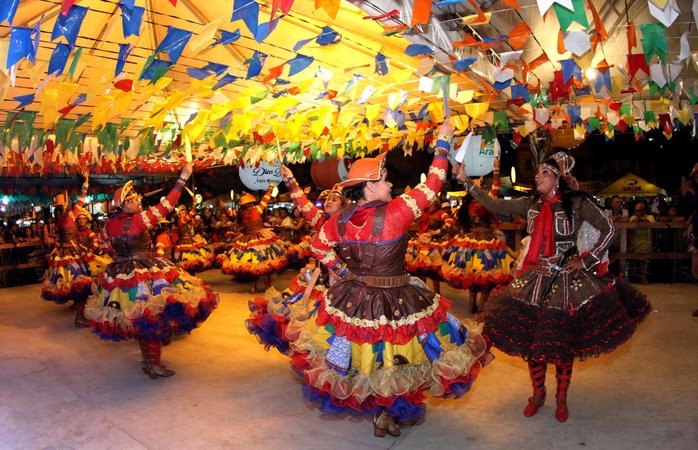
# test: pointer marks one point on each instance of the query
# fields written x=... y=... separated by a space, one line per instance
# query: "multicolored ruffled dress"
x=191 y=251
x=552 y=315
x=270 y=312
x=95 y=259
x=139 y=295
x=256 y=250
x=379 y=339
x=67 y=277
x=478 y=259
x=424 y=251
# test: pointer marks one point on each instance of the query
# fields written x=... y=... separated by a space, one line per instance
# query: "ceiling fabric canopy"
x=126 y=84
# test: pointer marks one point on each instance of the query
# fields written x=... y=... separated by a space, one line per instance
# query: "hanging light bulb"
x=422 y=178
x=198 y=198
x=275 y=191
x=591 y=73
x=513 y=175
x=232 y=194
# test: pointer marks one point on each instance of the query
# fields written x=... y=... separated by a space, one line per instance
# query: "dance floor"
x=62 y=387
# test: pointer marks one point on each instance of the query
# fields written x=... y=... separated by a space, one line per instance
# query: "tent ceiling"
x=101 y=33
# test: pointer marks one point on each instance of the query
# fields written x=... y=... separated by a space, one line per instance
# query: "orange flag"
x=330 y=6
x=601 y=34
x=532 y=65
x=421 y=12
x=560 y=43
x=481 y=18
x=512 y=4
x=519 y=35
x=632 y=39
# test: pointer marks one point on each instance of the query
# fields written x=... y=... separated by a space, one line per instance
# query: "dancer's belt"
x=381 y=282
x=135 y=256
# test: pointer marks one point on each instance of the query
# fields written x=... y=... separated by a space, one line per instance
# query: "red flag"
x=512 y=4
x=387 y=15
x=637 y=62
x=65 y=7
x=125 y=85
x=274 y=72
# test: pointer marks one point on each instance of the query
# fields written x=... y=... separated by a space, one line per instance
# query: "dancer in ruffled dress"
x=256 y=251
x=190 y=251
x=424 y=251
x=478 y=259
x=379 y=338
x=560 y=306
x=270 y=312
x=141 y=296
x=67 y=277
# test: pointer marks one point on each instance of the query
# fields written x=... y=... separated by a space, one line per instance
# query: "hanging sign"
x=257 y=178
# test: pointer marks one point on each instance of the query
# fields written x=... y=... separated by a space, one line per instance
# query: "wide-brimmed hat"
x=246 y=198
x=84 y=212
x=124 y=193
x=60 y=199
x=365 y=169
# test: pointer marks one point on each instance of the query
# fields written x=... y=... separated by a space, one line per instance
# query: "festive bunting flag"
x=519 y=35
x=21 y=46
x=567 y=15
x=666 y=14
x=68 y=26
x=421 y=12
x=331 y=7
x=24 y=100
x=328 y=36
x=381 y=64
x=418 y=49
x=124 y=52
x=174 y=42
x=575 y=114
x=131 y=18
x=8 y=8
x=155 y=69
x=255 y=64
x=463 y=64
x=544 y=5
x=654 y=41
x=265 y=29
x=227 y=37
x=520 y=91
x=248 y=12
x=570 y=69
x=600 y=33
x=59 y=58
x=299 y=63
x=637 y=62
x=283 y=5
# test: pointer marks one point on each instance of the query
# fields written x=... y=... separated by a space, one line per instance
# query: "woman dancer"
x=380 y=338
x=68 y=277
x=558 y=307
x=270 y=312
x=478 y=259
x=190 y=251
x=257 y=251
x=141 y=296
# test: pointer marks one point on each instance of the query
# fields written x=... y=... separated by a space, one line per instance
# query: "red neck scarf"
x=542 y=239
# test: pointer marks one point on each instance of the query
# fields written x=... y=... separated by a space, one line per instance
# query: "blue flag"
x=21 y=45
x=299 y=63
x=381 y=64
x=248 y=11
x=131 y=19
x=8 y=8
x=227 y=37
x=174 y=43
x=58 y=59
x=69 y=25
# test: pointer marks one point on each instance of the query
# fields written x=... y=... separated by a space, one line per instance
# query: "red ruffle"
x=400 y=335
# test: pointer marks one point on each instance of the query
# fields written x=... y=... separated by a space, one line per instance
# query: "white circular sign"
x=479 y=156
x=258 y=178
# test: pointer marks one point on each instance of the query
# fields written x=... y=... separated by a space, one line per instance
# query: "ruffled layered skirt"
x=424 y=259
x=255 y=254
x=193 y=256
x=479 y=265
x=582 y=316
x=67 y=277
x=388 y=360
x=299 y=254
x=148 y=298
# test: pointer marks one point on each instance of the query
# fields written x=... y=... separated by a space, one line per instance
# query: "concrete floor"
x=62 y=388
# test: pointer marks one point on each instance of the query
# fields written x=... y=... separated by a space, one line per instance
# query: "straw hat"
x=246 y=198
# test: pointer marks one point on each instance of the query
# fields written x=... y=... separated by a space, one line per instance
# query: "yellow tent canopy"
x=628 y=185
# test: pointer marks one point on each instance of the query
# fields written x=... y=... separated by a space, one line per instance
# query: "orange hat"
x=365 y=169
x=124 y=193
x=60 y=199
x=335 y=191
x=246 y=198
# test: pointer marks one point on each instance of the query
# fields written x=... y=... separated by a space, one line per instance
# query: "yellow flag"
x=476 y=110
x=372 y=112
x=196 y=128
